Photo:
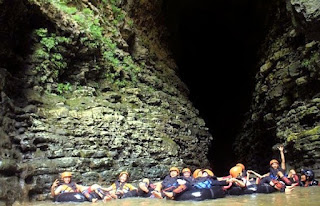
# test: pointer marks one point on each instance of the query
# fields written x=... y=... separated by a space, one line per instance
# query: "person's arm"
x=107 y=188
x=131 y=187
x=248 y=175
x=240 y=183
x=53 y=188
x=255 y=173
x=283 y=161
x=265 y=175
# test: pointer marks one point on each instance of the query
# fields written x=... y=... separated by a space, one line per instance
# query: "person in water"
x=68 y=186
x=244 y=172
x=146 y=188
x=170 y=184
x=237 y=177
x=307 y=178
x=120 y=187
x=186 y=175
x=278 y=173
x=65 y=186
x=207 y=180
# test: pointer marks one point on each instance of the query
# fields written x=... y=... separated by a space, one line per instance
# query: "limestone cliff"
x=285 y=104
x=89 y=86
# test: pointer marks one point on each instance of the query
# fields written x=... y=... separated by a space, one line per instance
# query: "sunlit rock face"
x=285 y=104
x=90 y=87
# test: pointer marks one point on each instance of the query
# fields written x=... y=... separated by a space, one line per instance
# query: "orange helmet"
x=175 y=169
x=235 y=171
x=196 y=173
x=124 y=172
x=274 y=161
x=241 y=165
x=186 y=170
x=209 y=172
x=66 y=174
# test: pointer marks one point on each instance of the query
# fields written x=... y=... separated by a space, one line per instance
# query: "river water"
x=298 y=197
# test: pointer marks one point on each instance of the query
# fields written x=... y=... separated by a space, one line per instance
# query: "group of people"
x=175 y=184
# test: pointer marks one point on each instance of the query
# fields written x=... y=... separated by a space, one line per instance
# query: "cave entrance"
x=215 y=44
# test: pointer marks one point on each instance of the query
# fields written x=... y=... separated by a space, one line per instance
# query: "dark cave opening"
x=215 y=44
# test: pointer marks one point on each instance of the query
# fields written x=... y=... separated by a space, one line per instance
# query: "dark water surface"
x=298 y=197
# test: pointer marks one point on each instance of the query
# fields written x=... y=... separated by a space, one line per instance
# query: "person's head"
x=242 y=166
x=307 y=175
x=274 y=164
x=236 y=172
x=197 y=173
x=303 y=178
x=207 y=172
x=66 y=177
x=174 y=171
x=123 y=177
x=186 y=172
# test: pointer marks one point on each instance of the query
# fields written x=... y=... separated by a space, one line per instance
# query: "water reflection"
x=298 y=197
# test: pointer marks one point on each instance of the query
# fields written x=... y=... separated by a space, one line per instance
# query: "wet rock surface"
x=285 y=105
x=95 y=97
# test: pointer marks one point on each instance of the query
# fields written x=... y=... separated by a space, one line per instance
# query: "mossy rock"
x=314 y=132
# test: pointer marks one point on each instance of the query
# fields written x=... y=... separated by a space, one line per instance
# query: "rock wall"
x=90 y=87
x=285 y=105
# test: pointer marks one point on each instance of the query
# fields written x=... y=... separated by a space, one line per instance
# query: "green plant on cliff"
x=47 y=57
x=64 y=87
x=120 y=70
x=314 y=58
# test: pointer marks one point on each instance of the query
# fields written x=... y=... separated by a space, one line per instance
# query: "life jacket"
x=274 y=173
x=169 y=182
x=188 y=179
x=71 y=187
x=203 y=183
x=125 y=187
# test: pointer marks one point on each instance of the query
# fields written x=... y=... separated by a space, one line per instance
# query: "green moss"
x=169 y=144
x=85 y=153
x=310 y=132
x=119 y=71
x=314 y=132
x=292 y=137
x=82 y=102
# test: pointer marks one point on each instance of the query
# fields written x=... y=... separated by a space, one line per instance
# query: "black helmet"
x=308 y=173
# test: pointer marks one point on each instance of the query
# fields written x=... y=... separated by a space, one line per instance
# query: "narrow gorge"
x=97 y=87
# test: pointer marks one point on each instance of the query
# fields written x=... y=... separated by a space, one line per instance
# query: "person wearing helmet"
x=237 y=176
x=186 y=175
x=307 y=178
x=244 y=171
x=205 y=181
x=65 y=186
x=120 y=187
x=278 y=173
x=91 y=193
x=168 y=184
